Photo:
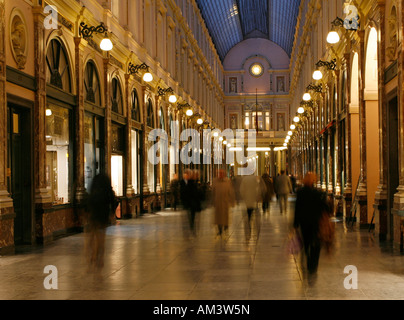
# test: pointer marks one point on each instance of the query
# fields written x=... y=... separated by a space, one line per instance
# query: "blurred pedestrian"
x=200 y=192
x=283 y=187
x=223 y=199
x=251 y=190
x=236 y=180
x=269 y=192
x=190 y=197
x=310 y=205
x=101 y=207
x=175 y=191
x=293 y=181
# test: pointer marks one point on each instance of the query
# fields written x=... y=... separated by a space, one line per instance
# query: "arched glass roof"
x=232 y=21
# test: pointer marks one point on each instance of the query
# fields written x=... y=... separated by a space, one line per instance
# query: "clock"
x=256 y=69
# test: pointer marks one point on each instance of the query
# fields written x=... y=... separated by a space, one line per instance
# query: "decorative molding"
x=391 y=72
x=18 y=38
x=116 y=62
x=21 y=79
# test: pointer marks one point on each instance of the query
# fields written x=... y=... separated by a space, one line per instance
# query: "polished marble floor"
x=155 y=257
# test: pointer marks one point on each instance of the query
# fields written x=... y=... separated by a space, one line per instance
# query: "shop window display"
x=92 y=148
x=117 y=159
x=135 y=161
x=57 y=154
x=117 y=174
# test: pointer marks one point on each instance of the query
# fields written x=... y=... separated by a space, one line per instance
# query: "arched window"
x=334 y=102
x=150 y=113
x=161 y=117
x=92 y=84
x=171 y=124
x=343 y=91
x=58 y=69
x=135 y=106
x=116 y=96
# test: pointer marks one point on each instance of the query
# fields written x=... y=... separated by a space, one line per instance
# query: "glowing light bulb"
x=172 y=99
x=106 y=44
x=147 y=77
x=307 y=97
x=317 y=75
x=333 y=37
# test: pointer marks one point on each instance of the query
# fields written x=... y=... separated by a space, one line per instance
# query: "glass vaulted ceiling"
x=232 y=21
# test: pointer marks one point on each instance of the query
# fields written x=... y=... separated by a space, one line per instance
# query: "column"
x=157 y=103
x=381 y=196
x=338 y=146
x=127 y=209
x=6 y=202
x=79 y=120
x=128 y=143
x=107 y=117
x=347 y=196
x=144 y=141
x=399 y=196
x=329 y=160
x=177 y=120
x=43 y=200
x=361 y=193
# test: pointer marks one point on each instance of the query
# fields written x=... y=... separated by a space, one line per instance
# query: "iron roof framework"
x=232 y=21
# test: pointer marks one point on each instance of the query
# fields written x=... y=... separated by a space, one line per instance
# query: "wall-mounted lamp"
x=333 y=36
x=199 y=119
x=162 y=92
x=331 y=65
x=317 y=75
x=188 y=108
x=307 y=103
x=312 y=87
x=353 y=25
x=87 y=33
x=133 y=69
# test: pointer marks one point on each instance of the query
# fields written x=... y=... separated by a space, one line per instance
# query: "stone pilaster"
x=347 y=196
x=80 y=192
x=157 y=103
x=398 y=206
x=43 y=200
x=380 y=202
x=107 y=117
x=362 y=187
x=144 y=141
x=128 y=143
x=6 y=202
